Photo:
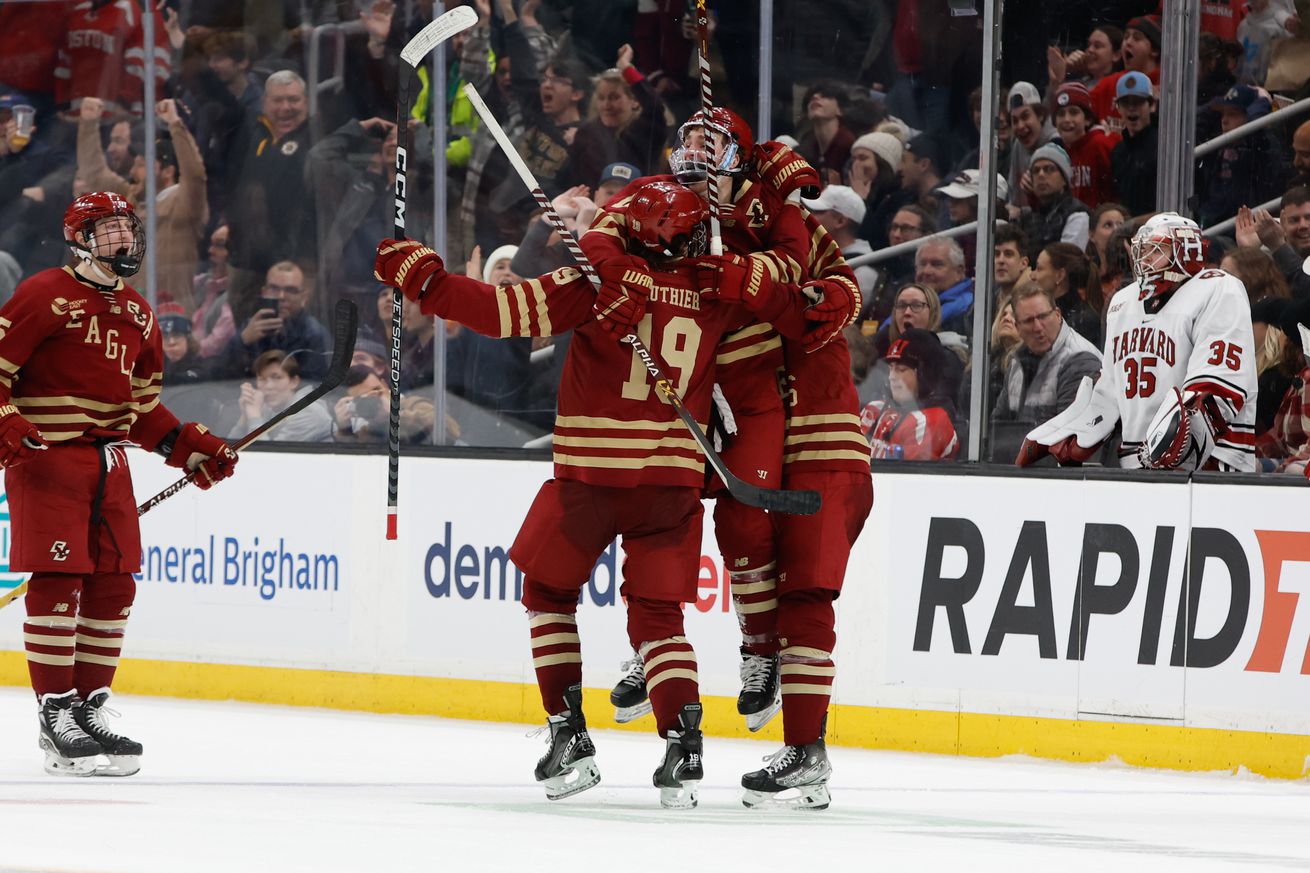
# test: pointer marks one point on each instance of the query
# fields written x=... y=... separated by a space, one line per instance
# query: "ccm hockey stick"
x=441 y=29
x=345 y=323
x=774 y=499
x=706 y=104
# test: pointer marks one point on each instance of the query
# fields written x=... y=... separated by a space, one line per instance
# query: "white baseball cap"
x=969 y=184
x=838 y=198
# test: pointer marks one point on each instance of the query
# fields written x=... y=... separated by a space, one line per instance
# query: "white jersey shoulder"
x=1199 y=340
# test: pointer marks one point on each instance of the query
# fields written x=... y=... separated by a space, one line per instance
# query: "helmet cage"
x=1164 y=258
x=125 y=260
x=692 y=164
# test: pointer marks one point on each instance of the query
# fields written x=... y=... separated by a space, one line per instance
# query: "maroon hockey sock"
x=806 y=624
x=745 y=537
x=556 y=647
x=655 y=631
x=49 y=634
x=101 y=620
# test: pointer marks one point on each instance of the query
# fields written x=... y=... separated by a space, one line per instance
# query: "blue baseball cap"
x=624 y=173
x=1133 y=84
x=1245 y=98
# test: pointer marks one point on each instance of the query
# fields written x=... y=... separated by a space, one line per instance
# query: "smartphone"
x=269 y=303
x=368 y=406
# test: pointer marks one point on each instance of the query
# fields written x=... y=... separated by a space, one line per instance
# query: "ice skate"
x=569 y=765
x=680 y=774
x=795 y=777
x=629 y=695
x=761 y=693
x=69 y=750
x=123 y=755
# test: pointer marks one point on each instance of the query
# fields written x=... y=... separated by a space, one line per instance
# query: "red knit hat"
x=1075 y=94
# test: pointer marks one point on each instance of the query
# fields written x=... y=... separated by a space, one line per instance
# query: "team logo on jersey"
x=758 y=217
x=59 y=550
x=289 y=147
x=565 y=275
x=137 y=314
x=72 y=308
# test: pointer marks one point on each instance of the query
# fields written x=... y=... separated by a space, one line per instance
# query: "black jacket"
x=1135 y=166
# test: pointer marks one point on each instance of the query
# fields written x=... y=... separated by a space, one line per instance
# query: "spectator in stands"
x=362 y=415
x=104 y=56
x=1044 y=374
x=542 y=251
x=1032 y=130
x=961 y=196
x=1287 y=238
x=180 y=204
x=908 y=223
x=1258 y=273
x=1067 y=273
x=270 y=210
x=1056 y=215
x=1005 y=341
x=277 y=385
x=939 y=265
x=120 y=153
x=417 y=351
x=923 y=161
x=916 y=423
x=226 y=96
x=289 y=327
x=1140 y=53
x=1301 y=155
x=551 y=121
x=1134 y=159
x=874 y=174
x=372 y=354
x=626 y=124
x=1105 y=219
x=182 y=362
x=1246 y=171
x=1009 y=261
x=1264 y=25
x=212 y=323
x=1088 y=145
x=827 y=143
x=840 y=210
x=1087 y=66
x=492 y=373
x=34 y=189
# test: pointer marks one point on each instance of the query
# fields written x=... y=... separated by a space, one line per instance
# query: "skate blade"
x=811 y=797
x=757 y=720
x=582 y=775
x=625 y=714
x=682 y=796
x=119 y=765
x=57 y=765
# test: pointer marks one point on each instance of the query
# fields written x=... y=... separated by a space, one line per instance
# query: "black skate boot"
x=69 y=751
x=629 y=695
x=761 y=693
x=680 y=774
x=796 y=776
x=124 y=755
x=569 y=765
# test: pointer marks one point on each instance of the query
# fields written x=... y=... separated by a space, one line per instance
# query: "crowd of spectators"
x=275 y=147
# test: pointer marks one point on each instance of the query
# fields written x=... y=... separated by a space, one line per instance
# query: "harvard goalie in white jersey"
x=1178 y=370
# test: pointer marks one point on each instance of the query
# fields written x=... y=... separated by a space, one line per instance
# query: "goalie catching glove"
x=19 y=438
x=625 y=289
x=1183 y=432
x=192 y=447
x=408 y=265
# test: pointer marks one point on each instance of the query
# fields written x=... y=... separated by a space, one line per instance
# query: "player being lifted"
x=785 y=604
x=624 y=464
x=1178 y=368
x=81 y=367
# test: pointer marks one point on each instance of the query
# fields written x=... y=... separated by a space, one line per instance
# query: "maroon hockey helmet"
x=664 y=217
x=119 y=246
x=688 y=163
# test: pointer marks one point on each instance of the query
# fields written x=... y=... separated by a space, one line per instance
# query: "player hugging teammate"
x=81 y=368
x=624 y=463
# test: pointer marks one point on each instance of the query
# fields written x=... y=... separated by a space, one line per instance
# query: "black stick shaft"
x=397 y=309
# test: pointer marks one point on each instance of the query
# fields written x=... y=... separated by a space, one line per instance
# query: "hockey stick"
x=344 y=325
x=706 y=104
x=775 y=499
x=443 y=28
x=13 y=595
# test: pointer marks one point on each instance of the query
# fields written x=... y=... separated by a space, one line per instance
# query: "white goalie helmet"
x=1167 y=251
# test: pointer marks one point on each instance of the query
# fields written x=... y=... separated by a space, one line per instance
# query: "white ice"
x=240 y=787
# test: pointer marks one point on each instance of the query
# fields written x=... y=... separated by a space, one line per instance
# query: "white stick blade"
x=446 y=26
x=1305 y=342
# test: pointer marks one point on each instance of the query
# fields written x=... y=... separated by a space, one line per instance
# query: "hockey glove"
x=835 y=305
x=408 y=265
x=784 y=170
x=1182 y=433
x=19 y=438
x=195 y=448
x=734 y=279
x=625 y=289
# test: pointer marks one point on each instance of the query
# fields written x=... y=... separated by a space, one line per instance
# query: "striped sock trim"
x=555 y=639
x=671 y=658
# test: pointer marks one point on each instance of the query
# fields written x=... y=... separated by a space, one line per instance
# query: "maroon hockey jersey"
x=82 y=363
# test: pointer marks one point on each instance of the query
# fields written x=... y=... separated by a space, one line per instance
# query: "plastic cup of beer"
x=24 y=122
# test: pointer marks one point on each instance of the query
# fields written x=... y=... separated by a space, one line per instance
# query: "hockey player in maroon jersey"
x=915 y=425
x=624 y=463
x=81 y=366
x=767 y=234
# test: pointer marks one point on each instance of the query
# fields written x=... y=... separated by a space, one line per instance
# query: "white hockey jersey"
x=1200 y=339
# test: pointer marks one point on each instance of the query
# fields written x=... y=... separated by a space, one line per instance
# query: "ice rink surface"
x=240 y=787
